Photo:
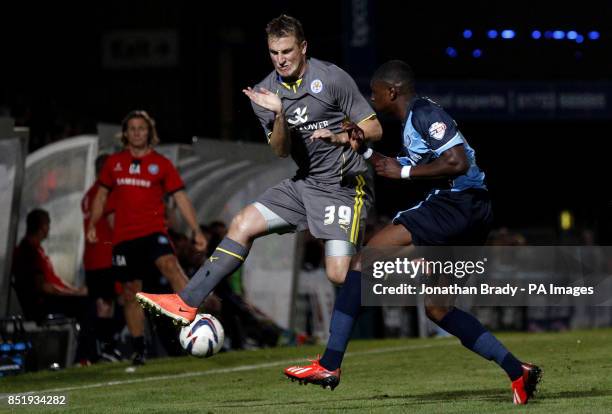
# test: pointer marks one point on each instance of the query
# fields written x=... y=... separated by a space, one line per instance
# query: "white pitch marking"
x=217 y=371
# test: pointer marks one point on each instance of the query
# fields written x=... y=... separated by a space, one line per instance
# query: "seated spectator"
x=41 y=291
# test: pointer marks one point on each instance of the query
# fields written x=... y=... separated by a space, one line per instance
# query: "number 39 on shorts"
x=344 y=215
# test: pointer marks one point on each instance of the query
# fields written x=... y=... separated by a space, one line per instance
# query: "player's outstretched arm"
x=353 y=134
x=451 y=163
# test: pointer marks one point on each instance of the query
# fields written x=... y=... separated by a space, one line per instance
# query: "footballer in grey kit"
x=322 y=98
x=303 y=105
x=330 y=192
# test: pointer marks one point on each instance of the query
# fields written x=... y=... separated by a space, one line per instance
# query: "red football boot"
x=314 y=374
x=524 y=387
x=170 y=305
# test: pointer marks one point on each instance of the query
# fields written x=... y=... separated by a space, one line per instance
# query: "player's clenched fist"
x=388 y=167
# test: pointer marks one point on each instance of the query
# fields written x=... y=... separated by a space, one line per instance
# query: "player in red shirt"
x=139 y=177
x=41 y=291
x=99 y=274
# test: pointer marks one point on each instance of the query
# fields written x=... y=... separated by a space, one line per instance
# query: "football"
x=204 y=337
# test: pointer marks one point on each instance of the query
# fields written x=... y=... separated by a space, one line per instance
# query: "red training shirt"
x=30 y=259
x=139 y=185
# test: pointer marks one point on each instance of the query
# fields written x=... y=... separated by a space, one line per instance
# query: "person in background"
x=140 y=177
x=42 y=292
x=99 y=274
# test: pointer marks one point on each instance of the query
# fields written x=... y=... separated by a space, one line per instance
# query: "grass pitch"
x=409 y=375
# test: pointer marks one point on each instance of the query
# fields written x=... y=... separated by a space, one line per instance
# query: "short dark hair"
x=36 y=219
x=153 y=138
x=283 y=26
x=396 y=73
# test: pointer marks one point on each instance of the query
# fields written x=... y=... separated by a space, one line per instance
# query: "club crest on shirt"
x=153 y=169
x=117 y=167
x=316 y=86
x=437 y=130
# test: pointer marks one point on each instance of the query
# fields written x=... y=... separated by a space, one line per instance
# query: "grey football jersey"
x=323 y=98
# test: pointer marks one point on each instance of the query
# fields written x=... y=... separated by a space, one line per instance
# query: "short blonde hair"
x=283 y=26
x=153 y=138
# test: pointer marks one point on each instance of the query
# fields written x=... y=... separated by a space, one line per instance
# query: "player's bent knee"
x=245 y=225
x=338 y=257
x=336 y=276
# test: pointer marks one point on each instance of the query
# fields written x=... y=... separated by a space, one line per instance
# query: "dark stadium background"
x=55 y=78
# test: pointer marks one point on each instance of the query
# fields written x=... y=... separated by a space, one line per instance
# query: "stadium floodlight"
x=451 y=52
x=593 y=35
x=548 y=34
x=467 y=34
x=536 y=34
x=508 y=34
x=477 y=53
x=492 y=34
x=559 y=35
x=579 y=38
x=572 y=35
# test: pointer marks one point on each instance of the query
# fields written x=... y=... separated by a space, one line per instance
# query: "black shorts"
x=101 y=283
x=135 y=259
x=449 y=218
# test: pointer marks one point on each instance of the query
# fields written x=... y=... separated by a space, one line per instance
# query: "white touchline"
x=218 y=371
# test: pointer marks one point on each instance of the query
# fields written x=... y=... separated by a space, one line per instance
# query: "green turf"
x=413 y=375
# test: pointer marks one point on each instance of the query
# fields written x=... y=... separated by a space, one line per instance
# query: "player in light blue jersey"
x=456 y=212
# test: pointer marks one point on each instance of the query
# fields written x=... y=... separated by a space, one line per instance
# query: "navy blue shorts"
x=135 y=259
x=449 y=218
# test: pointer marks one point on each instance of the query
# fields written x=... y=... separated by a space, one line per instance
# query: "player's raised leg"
x=246 y=226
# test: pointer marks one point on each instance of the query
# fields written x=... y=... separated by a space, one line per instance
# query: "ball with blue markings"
x=204 y=337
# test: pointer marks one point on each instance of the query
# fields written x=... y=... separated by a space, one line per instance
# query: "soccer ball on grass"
x=203 y=337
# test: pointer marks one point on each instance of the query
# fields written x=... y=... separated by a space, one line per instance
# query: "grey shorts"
x=330 y=212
